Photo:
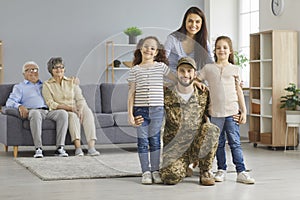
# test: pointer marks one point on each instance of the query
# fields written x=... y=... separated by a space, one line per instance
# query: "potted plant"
x=133 y=32
x=290 y=102
x=240 y=59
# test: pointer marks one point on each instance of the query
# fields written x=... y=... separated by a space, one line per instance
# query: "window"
x=248 y=23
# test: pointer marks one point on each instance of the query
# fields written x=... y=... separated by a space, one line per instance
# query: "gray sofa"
x=107 y=101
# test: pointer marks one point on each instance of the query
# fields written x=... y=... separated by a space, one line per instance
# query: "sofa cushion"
x=47 y=124
x=5 y=92
x=105 y=120
x=114 y=97
x=91 y=93
x=121 y=118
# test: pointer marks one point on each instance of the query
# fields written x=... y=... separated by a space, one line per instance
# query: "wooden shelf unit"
x=273 y=65
x=120 y=52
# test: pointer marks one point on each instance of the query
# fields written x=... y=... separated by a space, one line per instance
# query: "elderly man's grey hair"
x=29 y=63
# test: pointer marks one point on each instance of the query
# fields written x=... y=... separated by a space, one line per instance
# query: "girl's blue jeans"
x=149 y=136
x=230 y=129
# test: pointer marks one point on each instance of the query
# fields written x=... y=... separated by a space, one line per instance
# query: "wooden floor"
x=277 y=175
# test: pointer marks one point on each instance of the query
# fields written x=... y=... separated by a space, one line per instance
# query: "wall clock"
x=277 y=7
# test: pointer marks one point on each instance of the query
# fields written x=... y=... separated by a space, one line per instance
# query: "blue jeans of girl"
x=230 y=129
x=149 y=136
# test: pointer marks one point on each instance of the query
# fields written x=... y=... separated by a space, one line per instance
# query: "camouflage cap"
x=187 y=60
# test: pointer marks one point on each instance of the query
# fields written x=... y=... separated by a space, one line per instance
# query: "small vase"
x=132 y=39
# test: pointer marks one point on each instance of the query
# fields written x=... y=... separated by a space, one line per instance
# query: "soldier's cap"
x=187 y=60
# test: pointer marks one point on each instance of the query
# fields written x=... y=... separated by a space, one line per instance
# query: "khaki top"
x=68 y=93
x=222 y=86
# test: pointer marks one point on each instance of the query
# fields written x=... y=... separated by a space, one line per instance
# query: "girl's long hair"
x=161 y=54
x=228 y=40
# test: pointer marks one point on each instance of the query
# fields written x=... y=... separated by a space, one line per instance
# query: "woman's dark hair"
x=161 y=54
x=201 y=50
x=228 y=40
x=52 y=62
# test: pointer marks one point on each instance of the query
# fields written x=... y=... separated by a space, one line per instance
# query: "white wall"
x=289 y=19
x=222 y=19
x=76 y=30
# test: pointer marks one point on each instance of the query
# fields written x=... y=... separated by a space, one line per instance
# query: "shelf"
x=266 y=116
x=270 y=73
x=120 y=68
x=124 y=45
x=117 y=51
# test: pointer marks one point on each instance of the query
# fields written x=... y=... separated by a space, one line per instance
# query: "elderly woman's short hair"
x=52 y=62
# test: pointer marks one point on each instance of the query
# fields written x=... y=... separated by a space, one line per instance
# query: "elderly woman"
x=61 y=92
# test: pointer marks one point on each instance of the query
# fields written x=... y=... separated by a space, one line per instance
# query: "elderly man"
x=187 y=138
x=27 y=98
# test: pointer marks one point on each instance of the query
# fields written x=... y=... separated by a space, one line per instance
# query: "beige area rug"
x=107 y=165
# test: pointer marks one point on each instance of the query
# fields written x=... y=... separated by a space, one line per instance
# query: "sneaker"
x=61 y=152
x=78 y=152
x=156 y=177
x=207 y=178
x=220 y=175
x=244 y=177
x=147 y=178
x=93 y=152
x=189 y=172
x=38 y=153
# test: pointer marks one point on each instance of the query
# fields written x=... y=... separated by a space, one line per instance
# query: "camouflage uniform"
x=187 y=138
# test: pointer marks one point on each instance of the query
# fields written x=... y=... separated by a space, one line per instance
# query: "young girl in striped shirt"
x=146 y=100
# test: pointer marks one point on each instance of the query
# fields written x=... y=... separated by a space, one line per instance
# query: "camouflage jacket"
x=183 y=121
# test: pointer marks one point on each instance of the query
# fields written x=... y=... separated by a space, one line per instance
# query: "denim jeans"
x=232 y=130
x=149 y=136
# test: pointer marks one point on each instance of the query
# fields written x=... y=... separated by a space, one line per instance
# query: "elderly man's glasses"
x=32 y=70
x=58 y=67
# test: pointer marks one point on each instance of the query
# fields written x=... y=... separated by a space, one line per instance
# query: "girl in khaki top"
x=61 y=92
x=227 y=100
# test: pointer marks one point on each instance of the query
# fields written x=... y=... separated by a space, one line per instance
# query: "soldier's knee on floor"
x=170 y=179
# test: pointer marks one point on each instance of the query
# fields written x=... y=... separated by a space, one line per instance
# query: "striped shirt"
x=149 y=84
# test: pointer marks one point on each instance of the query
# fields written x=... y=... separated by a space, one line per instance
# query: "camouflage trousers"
x=201 y=149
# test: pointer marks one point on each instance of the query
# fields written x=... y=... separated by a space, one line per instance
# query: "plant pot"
x=292 y=116
x=132 y=39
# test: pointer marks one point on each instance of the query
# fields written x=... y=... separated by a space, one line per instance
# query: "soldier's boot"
x=206 y=178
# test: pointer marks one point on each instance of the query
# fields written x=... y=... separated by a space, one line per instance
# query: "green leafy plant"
x=292 y=100
x=133 y=31
x=240 y=59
